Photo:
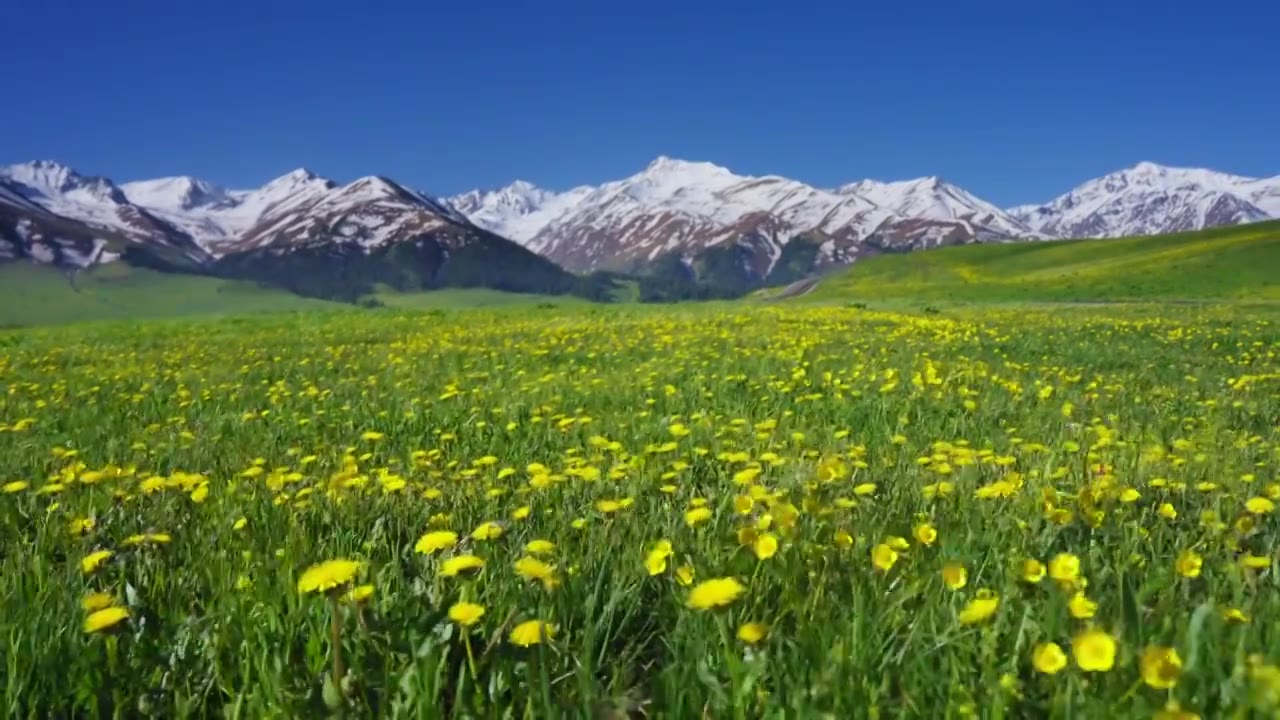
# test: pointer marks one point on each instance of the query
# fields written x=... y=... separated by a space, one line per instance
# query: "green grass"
x=1237 y=263
x=37 y=295
x=455 y=298
x=34 y=295
x=218 y=459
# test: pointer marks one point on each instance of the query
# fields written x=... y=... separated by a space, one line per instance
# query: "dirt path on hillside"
x=796 y=289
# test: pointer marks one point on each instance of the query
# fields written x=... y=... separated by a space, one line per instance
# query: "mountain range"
x=677 y=225
x=688 y=206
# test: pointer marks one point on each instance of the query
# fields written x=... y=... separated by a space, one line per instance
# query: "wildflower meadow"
x=735 y=511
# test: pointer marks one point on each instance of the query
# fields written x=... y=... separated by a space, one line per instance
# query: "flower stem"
x=335 y=639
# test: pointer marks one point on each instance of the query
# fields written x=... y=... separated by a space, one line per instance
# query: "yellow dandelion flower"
x=925 y=534
x=436 y=541
x=96 y=601
x=1094 y=651
x=697 y=516
x=200 y=493
x=487 y=531
x=1255 y=562
x=328 y=575
x=955 y=575
x=1259 y=505
x=359 y=594
x=105 y=619
x=684 y=575
x=460 y=564
x=531 y=568
x=1235 y=615
x=1033 y=571
x=1160 y=667
x=1065 y=568
x=980 y=608
x=752 y=632
x=655 y=562
x=883 y=557
x=608 y=507
x=714 y=593
x=91 y=562
x=1048 y=658
x=766 y=546
x=466 y=614
x=540 y=547
x=1189 y=564
x=531 y=632
x=1081 y=607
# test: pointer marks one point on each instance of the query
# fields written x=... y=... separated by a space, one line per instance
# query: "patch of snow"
x=42 y=253
x=1149 y=198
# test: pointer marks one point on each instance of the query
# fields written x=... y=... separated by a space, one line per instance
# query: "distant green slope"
x=1238 y=263
x=32 y=295
x=449 y=298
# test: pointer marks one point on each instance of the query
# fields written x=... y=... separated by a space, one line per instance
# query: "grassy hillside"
x=468 y=298
x=33 y=295
x=433 y=261
x=1238 y=263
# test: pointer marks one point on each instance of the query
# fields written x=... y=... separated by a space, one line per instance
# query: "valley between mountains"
x=675 y=230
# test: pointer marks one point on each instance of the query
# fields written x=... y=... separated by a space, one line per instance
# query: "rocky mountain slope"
x=299 y=231
x=1148 y=198
x=689 y=229
x=681 y=207
x=92 y=202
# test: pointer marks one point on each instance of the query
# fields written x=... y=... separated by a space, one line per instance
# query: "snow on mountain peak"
x=175 y=193
x=675 y=168
x=51 y=181
x=297 y=178
x=1151 y=198
x=517 y=211
x=299 y=175
x=681 y=205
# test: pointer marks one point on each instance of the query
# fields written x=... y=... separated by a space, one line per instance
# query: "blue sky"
x=1015 y=101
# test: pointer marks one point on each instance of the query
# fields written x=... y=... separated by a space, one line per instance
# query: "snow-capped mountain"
x=29 y=231
x=97 y=203
x=216 y=217
x=299 y=232
x=519 y=210
x=674 y=211
x=208 y=221
x=1149 y=198
x=685 y=207
x=935 y=199
x=369 y=212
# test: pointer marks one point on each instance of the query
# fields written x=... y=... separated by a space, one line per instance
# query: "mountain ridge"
x=1149 y=198
x=693 y=227
x=686 y=207
x=300 y=231
x=682 y=206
